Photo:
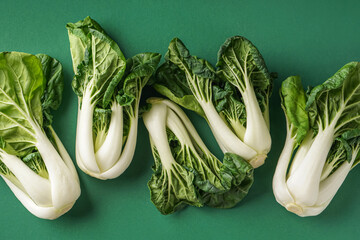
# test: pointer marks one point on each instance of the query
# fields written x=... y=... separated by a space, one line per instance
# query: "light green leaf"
x=21 y=88
x=97 y=61
x=293 y=101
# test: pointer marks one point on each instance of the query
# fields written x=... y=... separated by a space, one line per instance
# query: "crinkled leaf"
x=353 y=139
x=197 y=162
x=337 y=99
x=179 y=55
x=139 y=70
x=237 y=176
x=79 y=38
x=97 y=60
x=353 y=134
x=206 y=179
x=344 y=148
x=238 y=59
x=230 y=107
x=173 y=189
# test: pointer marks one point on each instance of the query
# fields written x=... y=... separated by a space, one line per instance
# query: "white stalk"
x=331 y=185
x=301 y=152
x=312 y=210
x=304 y=183
x=110 y=151
x=155 y=122
x=39 y=211
x=266 y=116
x=45 y=198
x=127 y=154
x=65 y=188
x=257 y=134
x=327 y=169
x=177 y=127
x=280 y=189
x=186 y=121
x=85 y=155
x=328 y=189
x=36 y=187
x=65 y=155
x=224 y=136
x=238 y=128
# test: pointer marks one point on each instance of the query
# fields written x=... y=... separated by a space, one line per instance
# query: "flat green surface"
x=308 y=38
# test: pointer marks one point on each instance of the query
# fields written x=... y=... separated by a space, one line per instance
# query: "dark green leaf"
x=239 y=59
x=139 y=70
x=337 y=99
x=172 y=190
x=237 y=176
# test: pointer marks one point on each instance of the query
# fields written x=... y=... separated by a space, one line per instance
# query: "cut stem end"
x=258 y=160
x=294 y=208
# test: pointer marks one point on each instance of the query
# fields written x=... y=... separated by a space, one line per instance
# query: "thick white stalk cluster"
x=304 y=190
x=45 y=198
x=113 y=157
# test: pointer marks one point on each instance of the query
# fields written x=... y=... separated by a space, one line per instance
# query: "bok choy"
x=185 y=171
x=234 y=99
x=109 y=89
x=33 y=161
x=322 y=143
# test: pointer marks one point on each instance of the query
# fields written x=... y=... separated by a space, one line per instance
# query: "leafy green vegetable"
x=234 y=100
x=109 y=89
x=185 y=171
x=33 y=161
x=324 y=129
x=241 y=64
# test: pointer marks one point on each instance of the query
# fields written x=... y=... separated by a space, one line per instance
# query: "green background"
x=308 y=38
